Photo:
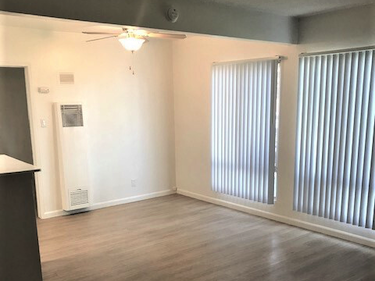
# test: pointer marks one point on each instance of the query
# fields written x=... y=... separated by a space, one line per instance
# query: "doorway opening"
x=15 y=125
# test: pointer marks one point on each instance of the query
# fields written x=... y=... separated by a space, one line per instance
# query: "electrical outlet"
x=133 y=183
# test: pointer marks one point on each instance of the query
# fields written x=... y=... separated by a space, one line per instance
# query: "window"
x=335 y=153
x=243 y=129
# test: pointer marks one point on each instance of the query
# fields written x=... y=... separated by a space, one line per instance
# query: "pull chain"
x=131 y=67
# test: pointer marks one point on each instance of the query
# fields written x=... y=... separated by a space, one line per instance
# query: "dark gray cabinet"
x=19 y=247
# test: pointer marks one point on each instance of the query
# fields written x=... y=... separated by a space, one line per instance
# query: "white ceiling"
x=292 y=7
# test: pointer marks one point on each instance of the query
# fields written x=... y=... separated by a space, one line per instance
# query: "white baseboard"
x=53 y=214
x=131 y=199
x=302 y=224
x=95 y=206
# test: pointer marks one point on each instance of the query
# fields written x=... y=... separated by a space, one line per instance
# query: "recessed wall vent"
x=72 y=115
x=66 y=78
x=79 y=197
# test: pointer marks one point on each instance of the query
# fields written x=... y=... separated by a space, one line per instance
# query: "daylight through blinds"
x=335 y=153
x=243 y=132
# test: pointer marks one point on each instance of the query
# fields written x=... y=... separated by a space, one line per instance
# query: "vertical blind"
x=335 y=152
x=243 y=132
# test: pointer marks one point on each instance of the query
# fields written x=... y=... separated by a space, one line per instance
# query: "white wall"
x=130 y=118
x=192 y=65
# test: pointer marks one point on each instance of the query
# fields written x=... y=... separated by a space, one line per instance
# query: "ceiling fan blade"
x=101 y=33
x=167 y=35
x=138 y=32
x=101 y=38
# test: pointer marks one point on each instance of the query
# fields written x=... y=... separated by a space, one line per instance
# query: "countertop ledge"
x=10 y=165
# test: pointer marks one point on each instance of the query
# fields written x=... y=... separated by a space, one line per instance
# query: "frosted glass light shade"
x=131 y=43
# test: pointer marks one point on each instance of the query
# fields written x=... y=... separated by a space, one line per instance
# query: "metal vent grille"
x=66 y=78
x=79 y=197
x=72 y=115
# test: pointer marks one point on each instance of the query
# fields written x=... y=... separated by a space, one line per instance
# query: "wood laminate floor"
x=179 y=238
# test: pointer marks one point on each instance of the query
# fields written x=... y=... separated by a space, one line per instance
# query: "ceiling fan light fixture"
x=131 y=43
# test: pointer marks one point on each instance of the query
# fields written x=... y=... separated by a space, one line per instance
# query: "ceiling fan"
x=133 y=39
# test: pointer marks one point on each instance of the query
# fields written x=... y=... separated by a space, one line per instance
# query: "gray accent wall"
x=347 y=28
x=195 y=16
x=15 y=138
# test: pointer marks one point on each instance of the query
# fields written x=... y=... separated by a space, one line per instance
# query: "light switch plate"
x=43 y=90
x=133 y=183
x=43 y=123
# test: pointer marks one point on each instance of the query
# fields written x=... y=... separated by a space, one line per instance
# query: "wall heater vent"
x=72 y=115
x=72 y=155
x=79 y=197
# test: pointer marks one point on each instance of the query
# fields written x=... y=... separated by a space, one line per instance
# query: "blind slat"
x=362 y=206
x=342 y=136
x=371 y=145
x=327 y=116
x=319 y=162
x=299 y=136
x=355 y=178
